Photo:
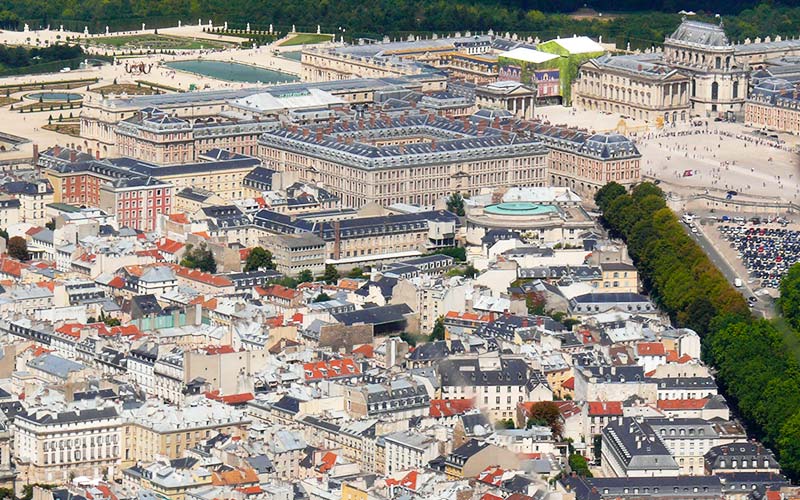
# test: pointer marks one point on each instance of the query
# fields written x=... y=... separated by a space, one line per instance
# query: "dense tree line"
x=18 y=57
x=642 y=25
x=756 y=368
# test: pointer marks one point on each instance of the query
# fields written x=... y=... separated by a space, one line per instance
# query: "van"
x=688 y=218
x=737 y=282
x=738 y=220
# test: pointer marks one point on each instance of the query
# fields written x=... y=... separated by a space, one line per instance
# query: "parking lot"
x=767 y=253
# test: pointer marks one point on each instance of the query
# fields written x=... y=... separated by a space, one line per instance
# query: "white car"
x=694 y=229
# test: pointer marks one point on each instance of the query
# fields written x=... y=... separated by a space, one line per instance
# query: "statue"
x=199 y=23
x=61 y=28
x=106 y=30
x=318 y=31
x=226 y=26
x=293 y=30
x=86 y=30
x=142 y=26
x=248 y=27
x=270 y=28
x=26 y=28
x=179 y=23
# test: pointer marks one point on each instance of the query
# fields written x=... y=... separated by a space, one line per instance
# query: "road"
x=764 y=306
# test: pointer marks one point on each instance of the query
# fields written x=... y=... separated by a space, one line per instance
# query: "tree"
x=607 y=194
x=199 y=257
x=504 y=423
x=322 y=297
x=535 y=302
x=356 y=273
x=578 y=465
x=4 y=234
x=455 y=204
x=331 y=275
x=438 y=332
x=18 y=248
x=470 y=271
x=458 y=253
x=258 y=258
x=305 y=276
x=51 y=224
x=546 y=413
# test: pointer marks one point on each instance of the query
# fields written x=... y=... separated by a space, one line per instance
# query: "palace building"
x=640 y=86
x=699 y=72
x=408 y=158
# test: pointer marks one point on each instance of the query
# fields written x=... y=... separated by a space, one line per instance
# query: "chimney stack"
x=35 y=154
x=97 y=154
x=72 y=156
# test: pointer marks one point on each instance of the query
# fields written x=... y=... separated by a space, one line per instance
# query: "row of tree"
x=755 y=368
x=643 y=24
x=18 y=57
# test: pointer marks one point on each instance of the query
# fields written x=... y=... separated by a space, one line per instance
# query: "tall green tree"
x=455 y=204
x=438 y=332
x=331 y=275
x=199 y=257
x=305 y=276
x=18 y=248
x=258 y=258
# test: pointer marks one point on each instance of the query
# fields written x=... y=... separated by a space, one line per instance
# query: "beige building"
x=33 y=200
x=53 y=445
x=293 y=253
x=157 y=429
x=774 y=105
x=586 y=162
x=638 y=86
x=703 y=51
x=225 y=370
x=157 y=137
x=417 y=158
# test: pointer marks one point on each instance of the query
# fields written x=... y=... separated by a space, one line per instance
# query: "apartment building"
x=51 y=444
x=496 y=383
x=155 y=429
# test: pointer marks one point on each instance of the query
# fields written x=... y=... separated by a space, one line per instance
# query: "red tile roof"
x=492 y=475
x=244 y=253
x=365 y=350
x=200 y=276
x=569 y=384
x=234 y=477
x=170 y=246
x=409 y=481
x=11 y=267
x=327 y=462
x=681 y=404
x=230 y=399
x=449 y=407
x=605 y=408
x=326 y=370
x=568 y=409
x=651 y=349
x=180 y=218
x=212 y=350
x=117 y=282
x=281 y=292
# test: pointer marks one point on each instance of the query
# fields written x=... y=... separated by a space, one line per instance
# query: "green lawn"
x=306 y=39
x=156 y=42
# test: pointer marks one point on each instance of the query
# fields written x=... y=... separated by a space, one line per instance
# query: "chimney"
x=56 y=150
x=89 y=150
x=35 y=154
x=319 y=135
x=306 y=132
x=336 y=239
x=97 y=154
x=72 y=156
x=524 y=322
x=433 y=145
